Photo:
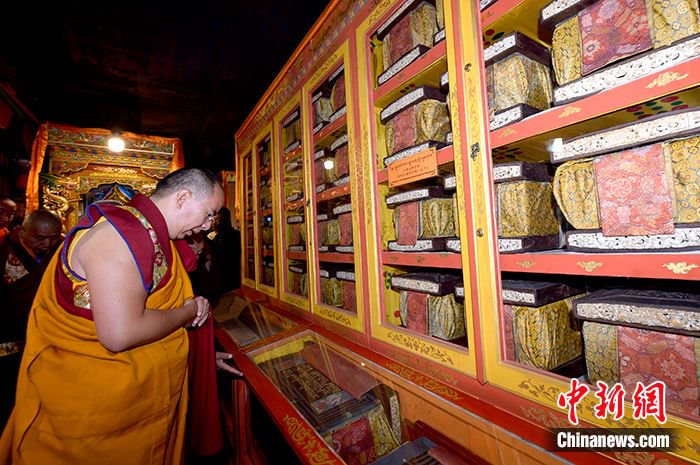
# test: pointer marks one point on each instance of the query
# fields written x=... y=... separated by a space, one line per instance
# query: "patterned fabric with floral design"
x=519 y=79
x=545 y=337
x=526 y=208
x=600 y=341
x=414 y=311
x=575 y=190
x=648 y=356
x=634 y=192
x=612 y=30
x=685 y=159
x=674 y=20
x=445 y=317
x=566 y=51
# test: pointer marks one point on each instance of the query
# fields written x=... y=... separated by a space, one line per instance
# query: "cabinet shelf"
x=425 y=71
x=296 y=255
x=426 y=259
x=537 y=128
x=509 y=15
x=293 y=154
x=333 y=193
x=250 y=216
x=638 y=265
x=444 y=156
x=266 y=211
x=265 y=171
x=294 y=206
x=268 y=253
x=325 y=137
x=336 y=257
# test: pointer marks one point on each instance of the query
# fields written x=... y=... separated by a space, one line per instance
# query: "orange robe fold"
x=79 y=403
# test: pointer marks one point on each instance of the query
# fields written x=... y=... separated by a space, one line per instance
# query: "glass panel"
x=248 y=233
x=266 y=232
x=332 y=193
x=355 y=412
x=248 y=322
x=292 y=175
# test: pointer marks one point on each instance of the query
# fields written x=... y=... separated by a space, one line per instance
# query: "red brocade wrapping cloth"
x=634 y=192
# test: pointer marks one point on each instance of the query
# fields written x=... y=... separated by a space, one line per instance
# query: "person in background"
x=8 y=209
x=24 y=254
x=103 y=378
x=226 y=254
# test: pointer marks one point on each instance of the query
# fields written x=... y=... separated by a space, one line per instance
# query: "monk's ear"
x=182 y=196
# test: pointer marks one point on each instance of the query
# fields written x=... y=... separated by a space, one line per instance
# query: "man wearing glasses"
x=104 y=372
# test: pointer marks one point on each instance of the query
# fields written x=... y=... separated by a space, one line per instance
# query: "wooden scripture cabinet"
x=493 y=199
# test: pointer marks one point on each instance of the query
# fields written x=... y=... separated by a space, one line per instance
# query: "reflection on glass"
x=353 y=411
x=247 y=322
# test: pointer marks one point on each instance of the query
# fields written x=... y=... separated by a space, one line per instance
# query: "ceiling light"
x=115 y=144
x=328 y=163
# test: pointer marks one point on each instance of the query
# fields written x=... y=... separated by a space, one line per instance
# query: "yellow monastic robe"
x=80 y=404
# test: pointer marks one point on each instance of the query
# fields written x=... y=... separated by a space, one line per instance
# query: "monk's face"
x=7 y=212
x=40 y=237
x=201 y=213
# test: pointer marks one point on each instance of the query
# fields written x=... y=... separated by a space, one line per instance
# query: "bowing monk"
x=103 y=379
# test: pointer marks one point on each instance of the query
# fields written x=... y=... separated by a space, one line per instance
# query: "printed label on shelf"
x=414 y=168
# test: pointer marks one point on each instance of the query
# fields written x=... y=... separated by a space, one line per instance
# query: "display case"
x=415 y=239
x=266 y=220
x=249 y=210
x=293 y=269
x=521 y=206
x=334 y=238
x=576 y=166
x=339 y=407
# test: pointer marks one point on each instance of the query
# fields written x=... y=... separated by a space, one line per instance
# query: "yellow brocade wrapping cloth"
x=576 y=193
x=416 y=28
x=669 y=21
x=332 y=291
x=518 y=79
x=445 y=317
x=132 y=407
x=601 y=352
x=526 y=208
x=292 y=132
x=685 y=162
x=544 y=336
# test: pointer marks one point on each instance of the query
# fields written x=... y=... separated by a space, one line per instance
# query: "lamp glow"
x=115 y=144
x=328 y=163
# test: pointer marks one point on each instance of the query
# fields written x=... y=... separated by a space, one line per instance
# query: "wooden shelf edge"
x=685 y=266
x=333 y=192
x=336 y=257
x=330 y=128
x=296 y=255
x=426 y=259
x=423 y=62
x=593 y=106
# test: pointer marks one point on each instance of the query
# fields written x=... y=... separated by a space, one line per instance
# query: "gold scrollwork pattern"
x=539 y=390
x=527 y=264
x=680 y=267
x=437 y=373
x=323 y=68
x=316 y=452
x=421 y=347
x=545 y=418
x=569 y=111
x=639 y=458
x=507 y=132
x=666 y=79
x=335 y=316
x=425 y=382
x=379 y=11
x=589 y=266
